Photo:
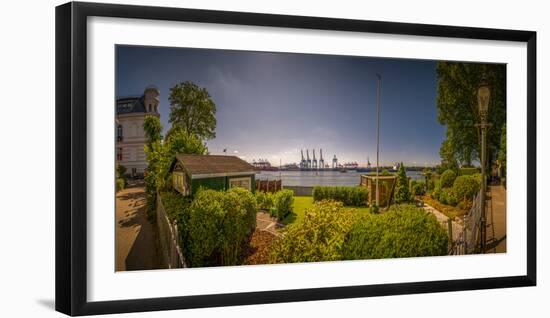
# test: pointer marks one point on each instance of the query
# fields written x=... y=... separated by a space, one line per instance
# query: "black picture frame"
x=71 y=157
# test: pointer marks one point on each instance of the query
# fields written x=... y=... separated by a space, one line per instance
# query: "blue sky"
x=271 y=105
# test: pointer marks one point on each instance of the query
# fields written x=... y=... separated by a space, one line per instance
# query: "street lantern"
x=483 y=96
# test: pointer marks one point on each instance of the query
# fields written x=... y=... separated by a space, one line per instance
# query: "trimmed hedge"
x=407 y=231
x=418 y=187
x=330 y=232
x=348 y=195
x=468 y=171
x=447 y=196
x=218 y=226
x=265 y=200
x=318 y=237
x=447 y=178
x=283 y=204
x=467 y=186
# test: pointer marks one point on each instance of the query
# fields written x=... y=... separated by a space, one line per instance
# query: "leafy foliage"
x=465 y=171
x=160 y=156
x=220 y=223
x=192 y=110
x=152 y=128
x=467 y=186
x=502 y=151
x=447 y=178
x=319 y=237
x=437 y=190
x=121 y=171
x=447 y=196
x=264 y=200
x=407 y=231
x=331 y=232
x=458 y=108
x=402 y=193
x=283 y=204
x=418 y=187
x=348 y=195
x=120 y=184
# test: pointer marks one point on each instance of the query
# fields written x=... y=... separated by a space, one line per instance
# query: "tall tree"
x=458 y=108
x=153 y=129
x=153 y=151
x=402 y=193
x=193 y=110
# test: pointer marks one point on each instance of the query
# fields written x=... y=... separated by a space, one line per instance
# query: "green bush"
x=431 y=184
x=348 y=195
x=121 y=171
x=402 y=193
x=466 y=171
x=283 y=203
x=447 y=196
x=120 y=184
x=176 y=207
x=264 y=200
x=436 y=193
x=418 y=187
x=447 y=178
x=406 y=232
x=219 y=225
x=466 y=187
x=318 y=237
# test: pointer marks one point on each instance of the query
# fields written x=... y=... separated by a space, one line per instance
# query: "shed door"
x=180 y=182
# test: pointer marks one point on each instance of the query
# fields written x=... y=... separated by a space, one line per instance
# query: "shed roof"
x=201 y=165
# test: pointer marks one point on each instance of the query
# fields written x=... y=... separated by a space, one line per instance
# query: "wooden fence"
x=269 y=185
x=169 y=239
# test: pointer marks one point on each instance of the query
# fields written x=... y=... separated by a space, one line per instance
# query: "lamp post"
x=377 y=138
x=483 y=95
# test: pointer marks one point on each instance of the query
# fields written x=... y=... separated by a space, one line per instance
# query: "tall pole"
x=483 y=225
x=377 y=139
x=483 y=95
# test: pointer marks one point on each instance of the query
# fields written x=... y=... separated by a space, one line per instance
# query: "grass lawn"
x=302 y=203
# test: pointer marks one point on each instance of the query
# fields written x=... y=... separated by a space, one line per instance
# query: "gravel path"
x=135 y=235
x=457 y=228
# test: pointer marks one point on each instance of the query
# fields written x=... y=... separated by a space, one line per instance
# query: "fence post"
x=450 y=229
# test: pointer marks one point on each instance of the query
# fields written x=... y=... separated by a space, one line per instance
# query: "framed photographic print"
x=208 y=158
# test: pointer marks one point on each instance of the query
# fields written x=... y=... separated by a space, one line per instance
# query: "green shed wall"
x=218 y=183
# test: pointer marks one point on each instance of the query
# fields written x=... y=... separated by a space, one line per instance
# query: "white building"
x=130 y=136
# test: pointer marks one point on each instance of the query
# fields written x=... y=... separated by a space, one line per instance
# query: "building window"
x=240 y=182
x=119 y=154
x=119 y=132
x=150 y=108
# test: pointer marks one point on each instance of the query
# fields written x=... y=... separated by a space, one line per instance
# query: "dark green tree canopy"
x=402 y=193
x=458 y=109
x=193 y=110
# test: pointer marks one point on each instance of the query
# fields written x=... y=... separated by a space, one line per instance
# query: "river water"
x=313 y=178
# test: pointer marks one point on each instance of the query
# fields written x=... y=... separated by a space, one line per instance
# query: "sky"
x=272 y=105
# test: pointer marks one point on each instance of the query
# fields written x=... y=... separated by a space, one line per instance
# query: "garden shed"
x=386 y=185
x=191 y=172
